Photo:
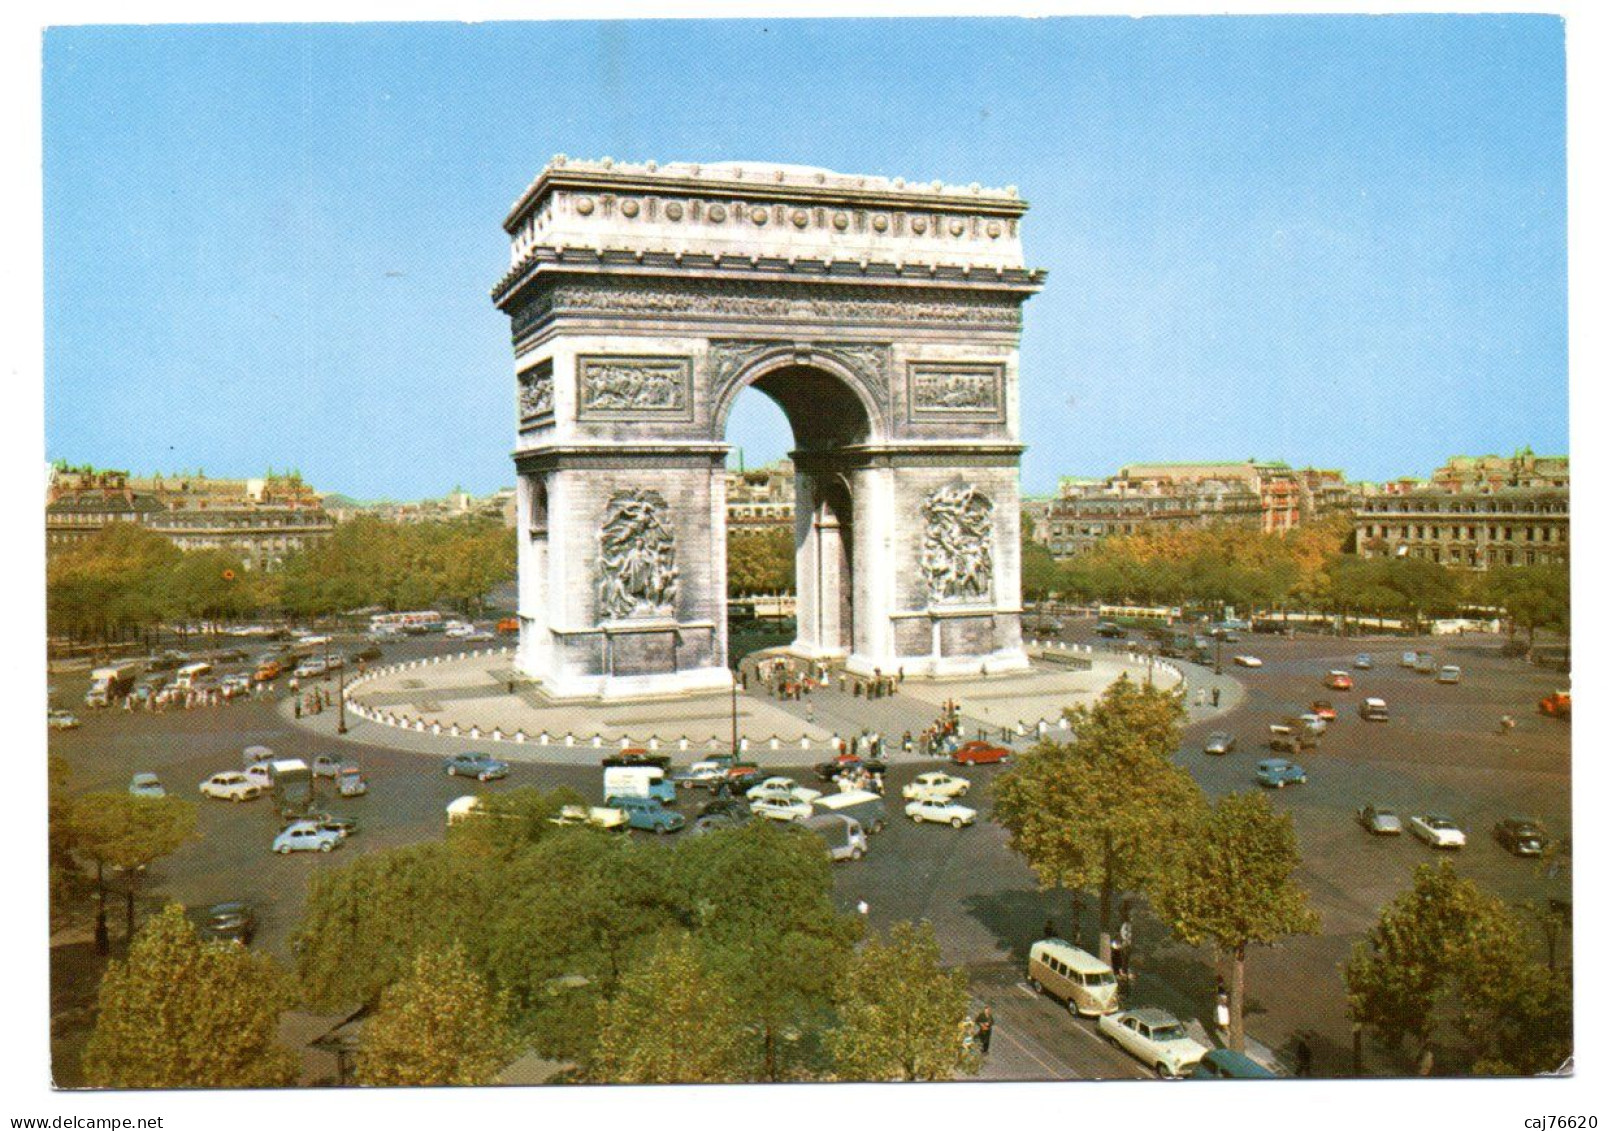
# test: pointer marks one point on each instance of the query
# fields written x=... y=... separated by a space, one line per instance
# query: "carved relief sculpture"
x=957 y=552
x=957 y=390
x=536 y=392
x=629 y=387
x=637 y=572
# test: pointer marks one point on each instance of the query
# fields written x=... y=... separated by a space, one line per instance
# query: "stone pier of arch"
x=883 y=318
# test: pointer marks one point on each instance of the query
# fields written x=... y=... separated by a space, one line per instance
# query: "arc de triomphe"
x=882 y=317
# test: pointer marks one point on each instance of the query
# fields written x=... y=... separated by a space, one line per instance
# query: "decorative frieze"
x=956 y=390
x=634 y=388
x=536 y=395
x=729 y=358
x=957 y=547
x=637 y=572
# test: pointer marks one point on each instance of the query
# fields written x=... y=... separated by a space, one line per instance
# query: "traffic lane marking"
x=1109 y=1052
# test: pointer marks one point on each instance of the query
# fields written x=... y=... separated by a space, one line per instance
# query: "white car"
x=1248 y=661
x=326 y=766
x=780 y=808
x=63 y=720
x=146 y=785
x=457 y=631
x=940 y=812
x=258 y=775
x=782 y=788
x=1437 y=831
x=310 y=669
x=1154 y=1037
x=480 y=635
x=936 y=786
x=307 y=836
x=231 y=785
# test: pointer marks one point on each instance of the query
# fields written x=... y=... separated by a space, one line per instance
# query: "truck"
x=109 y=684
x=291 y=782
x=845 y=839
x=861 y=804
x=638 y=781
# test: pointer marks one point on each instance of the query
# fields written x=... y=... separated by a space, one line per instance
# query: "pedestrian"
x=298 y=708
x=985 y=1028
x=1217 y=695
x=1049 y=929
x=1223 y=1017
x=863 y=907
x=1303 y=1057
x=1118 y=958
x=1125 y=933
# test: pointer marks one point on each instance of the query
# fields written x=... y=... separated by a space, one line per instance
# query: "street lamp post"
x=340 y=726
x=734 y=738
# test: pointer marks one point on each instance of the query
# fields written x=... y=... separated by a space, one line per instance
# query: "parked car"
x=1437 y=831
x=845 y=839
x=635 y=756
x=782 y=788
x=1449 y=673
x=307 y=836
x=1338 y=680
x=1276 y=773
x=977 y=753
x=349 y=781
x=146 y=785
x=864 y=806
x=333 y=822
x=941 y=812
x=1374 y=710
x=1219 y=742
x=1154 y=1037
x=234 y=922
x=1087 y=985
x=326 y=766
x=1363 y=662
x=311 y=669
x=1323 y=709
x=59 y=719
x=1226 y=1064
x=727 y=810
x=935 y=786
x=1248 y=661
x=231 y=785
x=1110 y=631
x=1379 y=821
x=1521 y=836
x=481 y=766
x=780 y=807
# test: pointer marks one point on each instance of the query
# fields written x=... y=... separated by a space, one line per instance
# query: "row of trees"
x=721 y=958
x=1306 y=568
x=125 y=579
x=759 y=561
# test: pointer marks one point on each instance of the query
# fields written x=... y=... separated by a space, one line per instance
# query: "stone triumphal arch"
x=883 y=318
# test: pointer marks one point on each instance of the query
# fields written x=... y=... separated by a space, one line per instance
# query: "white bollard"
x=569 y=740
x=653 y=744
x=596 y=742
x=683 y=745
x=454 y=731
x=775 y=745
x=805 y=742
x=519 y=736
x=435 y=728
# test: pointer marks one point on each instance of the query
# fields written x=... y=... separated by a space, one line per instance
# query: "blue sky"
x=1336 y=241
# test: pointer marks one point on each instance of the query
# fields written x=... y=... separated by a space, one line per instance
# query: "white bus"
x=383 y=623
x=189 y=673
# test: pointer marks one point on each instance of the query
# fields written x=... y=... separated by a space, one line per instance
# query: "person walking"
x=1217 y=696
x=985 y=1029
x=1224 y=1017
x=1125 y=933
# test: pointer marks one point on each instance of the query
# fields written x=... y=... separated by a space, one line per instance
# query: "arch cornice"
x=865 y=368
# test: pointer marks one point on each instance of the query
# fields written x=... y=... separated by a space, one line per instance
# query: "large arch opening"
x=791 y=528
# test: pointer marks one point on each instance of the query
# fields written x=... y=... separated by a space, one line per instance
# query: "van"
x=1451 y=673
x=1374 y=710
x=1087 y=985
x=638 y=781
x=107 y=685
x=190 y=674
x=861 y=804
x=845 y=839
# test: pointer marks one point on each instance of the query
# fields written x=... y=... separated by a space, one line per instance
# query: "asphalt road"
x=1441 y=751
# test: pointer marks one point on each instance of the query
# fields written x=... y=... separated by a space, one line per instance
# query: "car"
x=940 y=812
x=849 y=764
x=976 y=752
x=1409 y=659
x=1225 y=634
x=326 y=766
x=234 y=686
x=1426 y=664
x=1248 y=661
x=707 y=774
x=1379 y=821
x=307 y=836
x=1437 y=831
x=1311 y=722
x=479 y=635
x=1276 y=773
x=146 y=785
x=592 y=816
x=634 y=756
x=365 y=653
x=231 y=785
x=235 y=921
x=782 y=788
x=508 y=626
x=1226 y=1064
x=260 y=775
x=1219 y=742
x=1363 y=662
x=1153 y=1037
x=1337 y=681
x=1521 y=836
x=935 y=786
x=311 y=669
x=333 y=822
x=335 y=662
x=1323 y=709
x=1558 y=705
x=457 y=630
x=1110 y=631
x=1291 y=737
x=349 y=780
x=780 y=807
x=59 y=719
x=481 y=766
x=1450 y=673
x=1374 y=709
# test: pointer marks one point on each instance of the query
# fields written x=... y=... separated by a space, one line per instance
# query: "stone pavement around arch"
x=418 y=706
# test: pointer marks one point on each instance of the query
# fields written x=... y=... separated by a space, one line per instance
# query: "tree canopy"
x=439 y=1025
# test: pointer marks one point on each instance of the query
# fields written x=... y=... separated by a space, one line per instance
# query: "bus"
x=384 y=624
x=1154 y=614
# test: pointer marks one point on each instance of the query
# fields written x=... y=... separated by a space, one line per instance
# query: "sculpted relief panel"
x=942 y=390
x=637 y=573
x=536 y=394
x=957 y=551
x=635 y=388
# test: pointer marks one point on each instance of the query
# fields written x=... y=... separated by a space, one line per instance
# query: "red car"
x=1337 y=681
x=1323 y=709
x=978 y=752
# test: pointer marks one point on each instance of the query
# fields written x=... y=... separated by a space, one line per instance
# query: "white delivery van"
x=638 y=781
x=845 y=839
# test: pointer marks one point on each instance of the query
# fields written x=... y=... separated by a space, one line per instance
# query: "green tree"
x=759 y=561
x=118 y=830
x=438 y=1026
x=111 y=583
x=183 y=1013
x=63 y=868
x=671 y=1022
x=364 y=922
x=1041 y=574
x=1446 y=955
x=1534 y=597
x=761 y=905
x=1232 y=883
x=506 y=822
x=902 y=1015
x=1089 y=812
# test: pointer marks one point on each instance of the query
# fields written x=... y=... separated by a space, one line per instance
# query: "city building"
x=1508 y=526
x=1523 y=469
x=458 y=503
x=1277 y=486
x=262 y=520
x=1088 y=510
x=760 y=496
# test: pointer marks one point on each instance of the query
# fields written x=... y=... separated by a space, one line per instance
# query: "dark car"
x=637 y=757
x=367 y=652
x=234 y=922
x=167 y=661
x=1226 y=1064
x=725 y=811
x=1522 y=836
x=837 y=767
x=1110 y=631
x=743 y=778
x=230 y=656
